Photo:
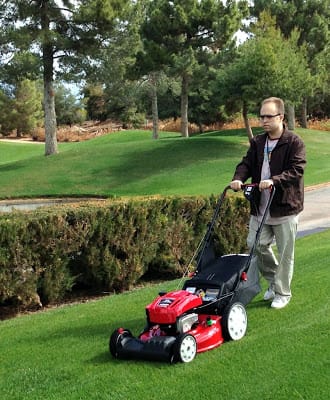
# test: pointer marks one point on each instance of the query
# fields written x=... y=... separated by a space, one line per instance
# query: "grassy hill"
x=130 y=163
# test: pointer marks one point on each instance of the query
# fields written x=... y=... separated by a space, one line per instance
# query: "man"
x=275 y=158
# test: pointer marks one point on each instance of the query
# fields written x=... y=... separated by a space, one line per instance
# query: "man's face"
x=270 y=118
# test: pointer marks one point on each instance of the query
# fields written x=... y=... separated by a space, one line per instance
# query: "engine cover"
x=165 y=309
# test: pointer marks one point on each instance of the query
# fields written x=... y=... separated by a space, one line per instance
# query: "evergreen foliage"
x=23 y=111
x=46 y=254
x=309 y=21
x=266 y=65
x=177 y=33
x=66 y=32
x=28 y=111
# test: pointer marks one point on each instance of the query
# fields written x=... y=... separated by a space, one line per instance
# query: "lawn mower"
x=208 y=310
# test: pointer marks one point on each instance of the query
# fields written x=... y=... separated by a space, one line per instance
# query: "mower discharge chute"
x=209 y=309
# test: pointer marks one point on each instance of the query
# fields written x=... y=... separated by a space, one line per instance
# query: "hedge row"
x=47 y=253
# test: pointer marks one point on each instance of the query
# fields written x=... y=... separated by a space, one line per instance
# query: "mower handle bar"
x=206 y=237
x=245 y=185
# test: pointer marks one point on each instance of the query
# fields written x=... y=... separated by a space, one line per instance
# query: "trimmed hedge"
x=108 y=246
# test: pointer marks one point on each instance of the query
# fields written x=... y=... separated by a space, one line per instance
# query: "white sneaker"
x=280 y=301
x=269 y=294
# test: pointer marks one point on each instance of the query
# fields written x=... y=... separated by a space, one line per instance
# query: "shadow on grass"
x=107 y=358
x=259 y=304
x=139 y=165
x=112 y=169
x=102 y=358
x=11 y=167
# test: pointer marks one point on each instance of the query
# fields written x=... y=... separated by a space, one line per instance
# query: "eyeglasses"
x=267 y=116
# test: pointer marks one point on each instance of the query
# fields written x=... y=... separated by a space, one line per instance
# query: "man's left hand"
x=266 y=184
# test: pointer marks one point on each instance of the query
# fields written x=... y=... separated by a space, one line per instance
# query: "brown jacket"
x=287 y=165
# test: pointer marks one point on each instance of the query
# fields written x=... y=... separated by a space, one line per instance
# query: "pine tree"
x=64 y=31
x=28 y=113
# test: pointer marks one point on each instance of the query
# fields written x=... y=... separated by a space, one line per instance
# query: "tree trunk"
x=50 y=119
x=49 y=95
x=246 y=122
x=303 y=117
x=184 y=107
x=154 y=108
x=291 y=116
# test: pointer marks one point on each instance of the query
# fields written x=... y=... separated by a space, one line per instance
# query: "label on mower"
x=165 y=302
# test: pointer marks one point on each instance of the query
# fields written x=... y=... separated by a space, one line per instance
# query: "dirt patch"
x=318 y=186
x=73 y=133
x=92 y=129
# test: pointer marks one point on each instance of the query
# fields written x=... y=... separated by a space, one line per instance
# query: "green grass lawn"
x=12 y=152
x=63 y=353
x=131 y=163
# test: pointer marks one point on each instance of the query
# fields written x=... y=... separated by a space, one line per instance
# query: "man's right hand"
x=236 y=185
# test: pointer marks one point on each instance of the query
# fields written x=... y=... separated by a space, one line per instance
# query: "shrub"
x=108 y=247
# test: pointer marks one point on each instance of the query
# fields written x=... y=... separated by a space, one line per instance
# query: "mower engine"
x=167 y=308
x=185 y=323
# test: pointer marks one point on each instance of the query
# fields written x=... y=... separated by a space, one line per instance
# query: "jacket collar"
x=283 y=138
